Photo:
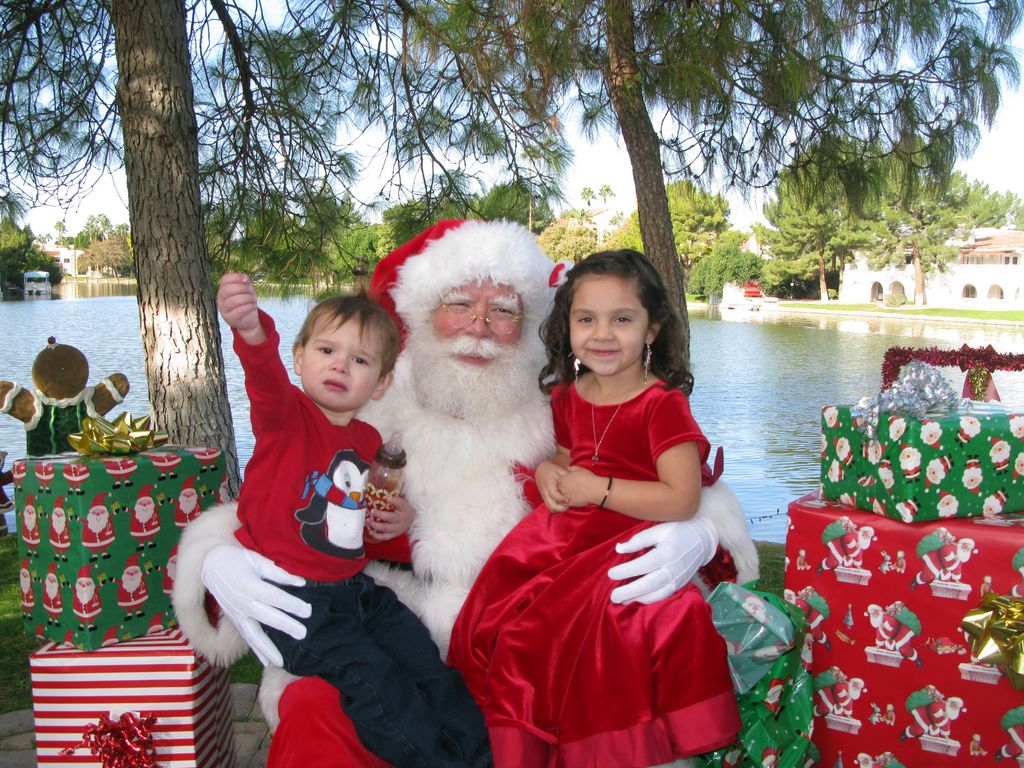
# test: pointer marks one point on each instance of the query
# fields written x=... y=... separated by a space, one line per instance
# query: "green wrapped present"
x=756 y=632
x=97 y=539
x=963 y=464
x=777 y=709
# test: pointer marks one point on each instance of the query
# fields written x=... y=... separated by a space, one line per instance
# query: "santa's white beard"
x=85 y=593
x=188 y=500
x=51 y=588
x=144 y=511
x=25 y=582
x=131 y=580
x=96 y=522
x=465 y=391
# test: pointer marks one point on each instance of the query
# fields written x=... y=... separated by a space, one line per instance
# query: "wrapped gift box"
x=97 y=538
x=893 y=671
x=159 y=675
x=968 y=464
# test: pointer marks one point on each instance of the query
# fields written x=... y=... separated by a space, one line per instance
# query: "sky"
x=998 y=161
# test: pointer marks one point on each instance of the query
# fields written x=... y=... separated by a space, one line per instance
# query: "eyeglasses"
x=501 y=321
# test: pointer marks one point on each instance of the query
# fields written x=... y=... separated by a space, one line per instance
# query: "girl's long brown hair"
x=668 y=361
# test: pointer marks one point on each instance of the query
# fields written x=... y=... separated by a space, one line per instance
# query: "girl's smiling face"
x=608 y=327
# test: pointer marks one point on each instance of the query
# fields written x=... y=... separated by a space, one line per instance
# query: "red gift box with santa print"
x=893 y=671
x=97 y=538
x=969 y=463
x=158 y=675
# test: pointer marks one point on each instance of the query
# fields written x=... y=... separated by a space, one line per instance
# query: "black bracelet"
x=606 y=492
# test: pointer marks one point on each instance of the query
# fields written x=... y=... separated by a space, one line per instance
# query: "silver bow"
x=920 y=390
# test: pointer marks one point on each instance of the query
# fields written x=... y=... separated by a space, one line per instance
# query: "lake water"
x=762 y=378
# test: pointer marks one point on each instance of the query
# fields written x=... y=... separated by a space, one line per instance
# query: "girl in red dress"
x=564 y=676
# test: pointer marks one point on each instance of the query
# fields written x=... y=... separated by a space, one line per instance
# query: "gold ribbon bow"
x=997 y=629
x=120 y=436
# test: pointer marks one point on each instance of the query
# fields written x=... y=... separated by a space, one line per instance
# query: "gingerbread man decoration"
x=61 y=398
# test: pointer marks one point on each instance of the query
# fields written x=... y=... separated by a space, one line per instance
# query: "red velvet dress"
x=566 y=678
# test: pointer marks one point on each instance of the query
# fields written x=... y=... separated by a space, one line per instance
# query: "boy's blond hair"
x=373 y=319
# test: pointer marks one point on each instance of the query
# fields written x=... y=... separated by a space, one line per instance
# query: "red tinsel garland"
x=124 y=743
x=966 y=359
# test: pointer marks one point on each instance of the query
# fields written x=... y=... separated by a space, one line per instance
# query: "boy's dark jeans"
x=407 y=706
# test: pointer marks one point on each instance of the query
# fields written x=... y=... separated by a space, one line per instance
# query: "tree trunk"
x=180 y=332
x=644 y=148
x=822 y=283
x=915 y=256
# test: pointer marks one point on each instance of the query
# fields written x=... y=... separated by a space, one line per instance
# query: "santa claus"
x=86 y=605
x=30 y=526
x=187 y=506
x=473 y=423
x=132 y=592
x=98 y=529
x=145 y=521
x=53 y=602
x=60 y=535
x=28 y=595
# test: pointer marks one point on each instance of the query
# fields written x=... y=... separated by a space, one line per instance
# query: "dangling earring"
x=648 y=354
x=576 y=368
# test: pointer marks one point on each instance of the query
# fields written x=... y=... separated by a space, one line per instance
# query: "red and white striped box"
x=159 y=674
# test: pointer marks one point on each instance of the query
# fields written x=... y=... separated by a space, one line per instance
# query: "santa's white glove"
x=677 y=550
x=240 y=581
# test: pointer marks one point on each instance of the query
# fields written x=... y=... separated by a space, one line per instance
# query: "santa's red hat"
x=189 y=484
x=24 y=563
x=52 y=569
x=110 y=636
x=30 y=500
x=132 y=560
x=85 y=572
x=411 y=280
x=59 y=503
x=146 y=491
x=98 y=501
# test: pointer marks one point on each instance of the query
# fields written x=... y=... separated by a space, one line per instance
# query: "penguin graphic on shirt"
x=332 y=522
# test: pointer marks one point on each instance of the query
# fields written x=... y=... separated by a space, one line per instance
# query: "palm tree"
x=605 y=192
x=588 y=195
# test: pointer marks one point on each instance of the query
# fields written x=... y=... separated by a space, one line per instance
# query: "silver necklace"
x=593 y=427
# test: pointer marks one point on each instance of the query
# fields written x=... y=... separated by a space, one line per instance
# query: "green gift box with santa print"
x=97 y=538
x=969 y=463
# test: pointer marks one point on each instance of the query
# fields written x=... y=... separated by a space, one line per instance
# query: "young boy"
x=302 y=505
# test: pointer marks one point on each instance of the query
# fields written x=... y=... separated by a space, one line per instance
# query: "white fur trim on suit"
x=272 y=686
x=221 y=644
x=720 y=507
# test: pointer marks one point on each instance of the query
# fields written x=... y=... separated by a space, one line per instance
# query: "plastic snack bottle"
x=387 y=470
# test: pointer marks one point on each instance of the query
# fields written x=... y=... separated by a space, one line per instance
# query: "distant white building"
x=67 y=258
x=987 y=274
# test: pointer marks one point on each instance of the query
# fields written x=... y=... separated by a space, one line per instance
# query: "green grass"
x=1015 y=316
x=773 y=562
x=15 y=687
